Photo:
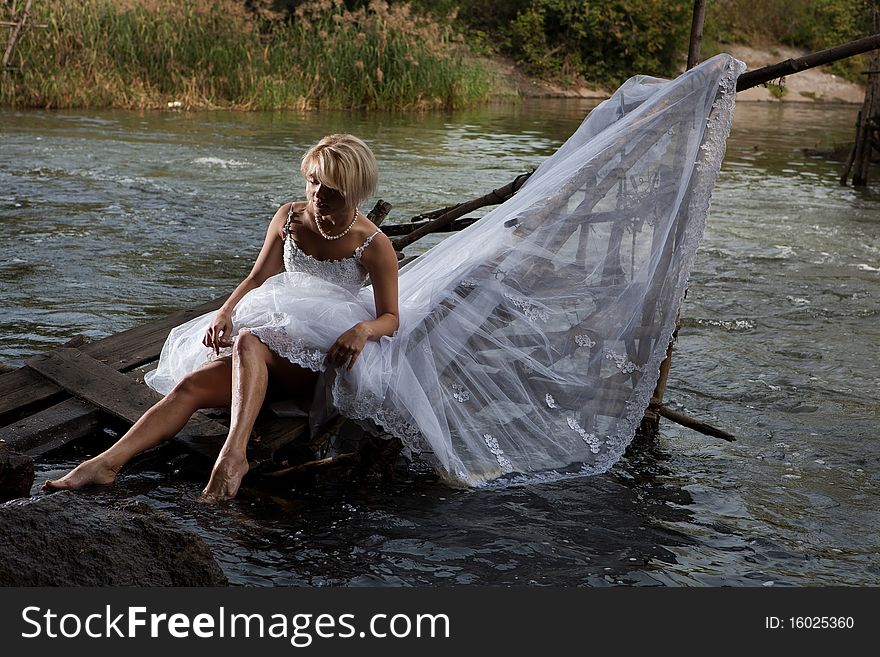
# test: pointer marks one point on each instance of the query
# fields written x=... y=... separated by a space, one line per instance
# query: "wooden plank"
x=88 y=379
x=22 y=389
x=52 y=428
x=142 y=344
x=73 y=419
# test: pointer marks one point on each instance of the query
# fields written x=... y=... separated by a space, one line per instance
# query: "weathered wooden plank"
x=277 y=432
x=142 y=344
x=22 y=389
x=74 y=419
x=86 y=378
x=270 y=435
x=50 y=429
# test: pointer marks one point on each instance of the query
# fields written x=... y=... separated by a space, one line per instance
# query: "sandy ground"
x=811 y=86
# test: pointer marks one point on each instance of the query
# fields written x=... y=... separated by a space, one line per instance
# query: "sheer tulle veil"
x=531 y=342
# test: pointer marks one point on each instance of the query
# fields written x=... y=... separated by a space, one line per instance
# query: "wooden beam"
x=22 y=389
x=379 y=212
x=751 y=79
x=142 y=344
x=492 y=198
x=90 y=380
x=692 y=423
x=396 y=230
x=52 y=428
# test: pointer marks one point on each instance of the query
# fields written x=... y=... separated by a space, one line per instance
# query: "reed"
x=214 y=53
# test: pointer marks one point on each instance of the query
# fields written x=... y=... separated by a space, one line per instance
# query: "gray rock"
x=69 y=539
x=16 y=474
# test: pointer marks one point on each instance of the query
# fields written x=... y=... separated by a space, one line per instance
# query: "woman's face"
x=326 y=200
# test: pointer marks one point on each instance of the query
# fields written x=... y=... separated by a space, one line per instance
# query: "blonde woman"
x=278 y=333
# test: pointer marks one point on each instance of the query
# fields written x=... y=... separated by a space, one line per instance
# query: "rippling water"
x=114 y=218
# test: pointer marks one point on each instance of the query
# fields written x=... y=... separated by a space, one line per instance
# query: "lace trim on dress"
x=293 y=349
x=366 y=406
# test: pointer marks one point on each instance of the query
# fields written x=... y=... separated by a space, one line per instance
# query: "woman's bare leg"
x=207 y=387
x=253 y=364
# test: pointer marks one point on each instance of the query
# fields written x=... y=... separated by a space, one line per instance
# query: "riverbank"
x=815 y=85
x=215 y=54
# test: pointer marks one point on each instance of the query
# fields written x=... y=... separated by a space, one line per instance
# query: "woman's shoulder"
x=373 y=242
x=288 y=211
x=367 y=230
x=293 y=207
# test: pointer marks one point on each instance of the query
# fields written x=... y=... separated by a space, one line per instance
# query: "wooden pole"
x=16 y=31
x=751 y=79
x=696 y=41
x=492 y=198
x=691 y=422
x=652 y=421
x=868 y=117
x=852 y=152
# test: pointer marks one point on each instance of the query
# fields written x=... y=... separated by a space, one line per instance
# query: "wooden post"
x=16 y=31
x=868 y=121
x=651 y=423
x=696 y=41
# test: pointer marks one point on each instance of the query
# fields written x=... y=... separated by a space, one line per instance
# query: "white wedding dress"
x=530 y=343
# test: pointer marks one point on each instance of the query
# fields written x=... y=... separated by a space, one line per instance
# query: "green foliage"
x=777 y=90
x=146 y=53
x=809 y=24
x=604 y=42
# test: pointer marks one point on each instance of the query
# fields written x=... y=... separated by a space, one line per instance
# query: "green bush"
x=602 y=42
x=809 y=24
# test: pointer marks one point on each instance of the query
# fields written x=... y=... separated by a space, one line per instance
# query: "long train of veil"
x=531 y=342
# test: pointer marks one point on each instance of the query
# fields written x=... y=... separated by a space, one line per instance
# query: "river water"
x=114 y=218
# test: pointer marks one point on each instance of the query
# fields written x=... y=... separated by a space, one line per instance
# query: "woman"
x=529 y=342
x=250 y=345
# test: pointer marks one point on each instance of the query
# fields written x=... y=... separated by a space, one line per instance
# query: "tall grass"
x=213 y=53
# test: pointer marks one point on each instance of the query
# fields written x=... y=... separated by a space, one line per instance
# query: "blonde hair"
x=344 y=163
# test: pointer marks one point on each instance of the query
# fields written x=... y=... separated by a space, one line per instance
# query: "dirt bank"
x=815 y=85
x=811 y=86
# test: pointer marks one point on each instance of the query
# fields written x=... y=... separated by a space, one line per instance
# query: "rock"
x=70 y=539
x=16 y=474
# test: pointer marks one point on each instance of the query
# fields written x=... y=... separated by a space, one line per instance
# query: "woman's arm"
x=269 y=262
x=381 y=262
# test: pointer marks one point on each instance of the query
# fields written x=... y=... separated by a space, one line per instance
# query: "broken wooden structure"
x=74 y=391
x=17 y=20
x=867 y=140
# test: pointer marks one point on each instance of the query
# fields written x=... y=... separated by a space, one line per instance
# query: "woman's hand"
x=348 y=346
x=217 y=335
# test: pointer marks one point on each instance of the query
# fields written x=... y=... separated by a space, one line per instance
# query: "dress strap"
x=286 y=230
x=358 y=252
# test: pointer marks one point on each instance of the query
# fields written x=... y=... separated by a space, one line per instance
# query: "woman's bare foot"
x=225 y=478
x=95 y=471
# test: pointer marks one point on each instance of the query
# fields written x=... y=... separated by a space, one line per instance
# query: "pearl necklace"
x=319 y=219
